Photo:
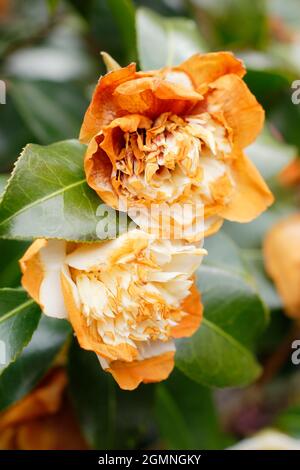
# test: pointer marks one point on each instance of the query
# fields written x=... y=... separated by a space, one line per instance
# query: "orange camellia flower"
x=127 y=299
x=176 y=136
x=290 y=175
x=282 y=261
x=42 y=420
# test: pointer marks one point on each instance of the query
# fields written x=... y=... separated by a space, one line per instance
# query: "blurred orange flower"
x=127 y=299
x=282 y=261
x=176 y=135
x=43 y=420
x=290 y=175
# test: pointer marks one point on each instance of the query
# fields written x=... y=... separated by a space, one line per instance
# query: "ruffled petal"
x=244 y=115
x=32 y=269
x=154 y=369
x=98 y=170
x=193 y=308
x=206 y=68
x=103 y=107
x=251 y=195
x=41 y=266
x=87 y=334
x=155 y=95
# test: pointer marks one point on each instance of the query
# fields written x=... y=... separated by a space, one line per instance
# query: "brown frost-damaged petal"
x=204 y=69
x=42 y=420
x=176 y=138
x=282 y=261
x=243 y=114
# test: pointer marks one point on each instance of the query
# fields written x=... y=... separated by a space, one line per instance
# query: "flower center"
x=176 y=159
x=133 y=302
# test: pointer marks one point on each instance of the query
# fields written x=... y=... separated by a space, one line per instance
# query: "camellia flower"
x=127 y=299
x=42 y=420
x=290 y=175
x=282 y=261
x=176 y=136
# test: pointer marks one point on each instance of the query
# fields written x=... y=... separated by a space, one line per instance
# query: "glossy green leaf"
x=110 y=418
x=225 y=253
x=47 y=196
x=19 y=317
x=105 y=30
x=237 y=288
x=248 y=263
x=124 y=14
x=52 y=111
x=214 y=358
x=165 y=41
x=11 y=252
x=36 y=359
x=3 y=181
x=286 y=115
x=93 y=395
x=186 y=415
x=233 y=23
x=267 y=77
x=234 y=317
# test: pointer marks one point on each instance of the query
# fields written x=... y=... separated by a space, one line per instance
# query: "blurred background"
x=50 y=62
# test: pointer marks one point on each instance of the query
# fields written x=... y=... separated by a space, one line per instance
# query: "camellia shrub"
x=149 y=233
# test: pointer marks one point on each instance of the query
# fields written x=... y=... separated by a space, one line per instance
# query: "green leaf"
x=225 y=253
x=93 y=395
x=19 y=317
x=3 y=181
x=270 y=155
x=285 y=115
x=52 y=5
x=36 y=359
x=105 y=30
x=11 y=252
x=47 y=196
x=52 y=111
x=234 y=317
x=124 y=14
x=266 y=76
x=233 y=23
x=165 y=41
x=289 y=421
x=264 y=285
x=186 y=415
x=110 y=418
x=214 y=358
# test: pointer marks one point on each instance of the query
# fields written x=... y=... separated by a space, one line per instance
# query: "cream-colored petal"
x=51 y=297
x=89 y=256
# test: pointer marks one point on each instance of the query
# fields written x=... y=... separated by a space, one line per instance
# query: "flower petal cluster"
x=127 y=299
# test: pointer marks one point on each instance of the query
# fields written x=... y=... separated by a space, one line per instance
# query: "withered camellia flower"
x=282 y=261
x=42 y=420
x=176 y=136
x=127 y=299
